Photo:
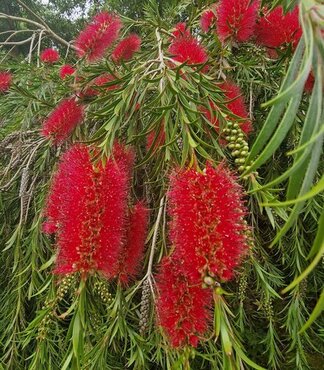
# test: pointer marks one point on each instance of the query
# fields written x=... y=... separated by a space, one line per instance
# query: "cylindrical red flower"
x=236 y=19
x=66 y=70
x=87 y=207
x=50 y=56
x=208 y=18
x=235 y=103
x=63 y=120
x=5 y=81
x=185 y=48
x=126 y=48
x=207 y=226
x=276 y=28
x=133 y=249
x=182 y=304
x=98 y=36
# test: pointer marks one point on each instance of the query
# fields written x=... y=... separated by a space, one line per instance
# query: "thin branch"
x=40 y=20
x=40 y=26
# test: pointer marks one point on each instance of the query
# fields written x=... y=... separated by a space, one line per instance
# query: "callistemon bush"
x=87 y=208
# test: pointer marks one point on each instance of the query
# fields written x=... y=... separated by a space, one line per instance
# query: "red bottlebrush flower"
x=276 y=28
x=126 y=48
x=236 y=19
x=98 y=36
x=5 y=81
x=87 y=208
x=208 y=18
x=235 y=104
x=50 y=56
x=180 y=29
x=207 y=225
x=182 y=304
x=66 y=70
x=187 y=49
x=62 y=121
x=93 y=89
x=132 y=252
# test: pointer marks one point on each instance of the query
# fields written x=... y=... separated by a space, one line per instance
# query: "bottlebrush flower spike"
x=94 y=88
x=126 y=48
x=235 y=104
x=180 y=29
x=62 y=121
x=98 y=36
x=185 y=48
x=133 y=249
x=207 y=225
x=236 y=19
x=49 y=56
x=276 y=28
x=87 y=208
x=66 y=70
x=208 y=18
x=182 y=304
x=5 y=81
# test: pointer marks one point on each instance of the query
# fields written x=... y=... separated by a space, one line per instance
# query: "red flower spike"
x=236 y=105
x=100 y=81
x=132 y=252
x=180 y=29
x=66 y=70
x=50 y=56
x=126 y=48
x=5 y=81
x=208 y=18
x=63 y=120
x=276 y=28
x=101 y=33
x=87 y=208
x=236 y=19
x=207 y=226
x=186 y=48
x=182 y=304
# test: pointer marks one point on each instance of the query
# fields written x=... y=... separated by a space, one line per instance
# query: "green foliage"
x=269 y=316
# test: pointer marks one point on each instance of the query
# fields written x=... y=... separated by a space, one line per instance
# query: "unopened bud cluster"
x=44 y=326
x=237 y=144
x=242 y=288
x=145 y=307
x=267 y=307
x=101 y=289
x=65 y=286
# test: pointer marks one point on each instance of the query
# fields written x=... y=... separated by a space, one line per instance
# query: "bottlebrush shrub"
x=185 y=48
x=5 y=81
x=101 y=33
x=50 y=56
x=126 y=48
x=183 y=306
x=207 y=220
x=63 y=120
x=66 y=70
x=87 y=209
x=236 y=19
x=132 y=251
x=276 y=28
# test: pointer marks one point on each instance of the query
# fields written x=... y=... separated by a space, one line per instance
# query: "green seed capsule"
x=245 y=148
x=234 y=132
x=235 y=153
x=238 y=146
x=228 y=138
x=231 y=145
x=244 y=153
x=241 y=168
x=240 y=134
x=232 y=138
